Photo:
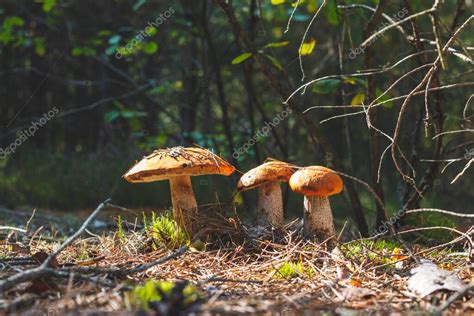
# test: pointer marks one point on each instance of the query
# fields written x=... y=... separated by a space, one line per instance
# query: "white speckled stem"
x=184 y=201
x=318 y=220
x=270 y=205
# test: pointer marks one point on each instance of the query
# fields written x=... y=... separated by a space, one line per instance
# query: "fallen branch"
x=454 y=297
x=37 y=272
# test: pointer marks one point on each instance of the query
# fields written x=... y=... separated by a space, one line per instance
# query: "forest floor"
x=231 y=269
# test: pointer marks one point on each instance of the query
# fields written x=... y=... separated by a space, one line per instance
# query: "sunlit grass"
x=152 y=291
x=164 y=230
x=290 y=270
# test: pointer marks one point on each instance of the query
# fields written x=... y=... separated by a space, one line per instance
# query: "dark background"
x=179 y=87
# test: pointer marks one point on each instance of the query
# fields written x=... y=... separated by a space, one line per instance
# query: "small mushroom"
x=267 y=178
x=316 y=183
x=177 y=165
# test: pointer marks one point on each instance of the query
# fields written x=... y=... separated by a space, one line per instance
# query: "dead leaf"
x=343 y=273
x=39 y=286
x=41 y=256
x=352 y=292
x=428 y=278
x=355 y=282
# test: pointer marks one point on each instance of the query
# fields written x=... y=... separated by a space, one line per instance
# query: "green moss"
x=120 y=232
x=164 y=230
x=289 y=270
x=157 y=291
x=378 y=251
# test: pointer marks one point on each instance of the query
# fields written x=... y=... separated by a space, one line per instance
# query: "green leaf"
x=307 y=48
x=132 y=114
x=278 y=2
x=358 y=99
x=275 y=62
x=40 y=50
x=48 y=5
x=331 y=12
x=76 y=51
x=111 y=116
x=355 y=81
x=150 y=48
x=156 y=90
x=104 y=33
x=115 y=39
x=277 y=44
x=138 y=4
x=326 y=86
x=111 y=50
x=12 y=21
x=241 y=58
x=388 y=104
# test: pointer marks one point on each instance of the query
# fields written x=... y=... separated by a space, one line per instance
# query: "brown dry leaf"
x=343 y=273
x=397 y=254
x=355 y=282
x=41 y=256
x=38 y=286
x=352 y=292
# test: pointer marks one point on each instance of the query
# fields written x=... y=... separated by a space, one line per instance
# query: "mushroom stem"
x=270 y=205
x=184 y=201
x=318 y=220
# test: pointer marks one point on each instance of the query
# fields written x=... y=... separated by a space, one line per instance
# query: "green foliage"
x=277 y=44
x=7 y=31
x=326 y=86
x=384 y=99
x=372 y=250
x=241 y=58
x=150 y=48
x=275 y=62
x=165 y=231
x=120 y=232
x=156 y=291
x=290 y=270
x=75 y=181
x=48 y=5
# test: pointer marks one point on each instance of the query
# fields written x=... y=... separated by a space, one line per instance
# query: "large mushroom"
x=177 y=165
x=267 y=178
x=317 y=183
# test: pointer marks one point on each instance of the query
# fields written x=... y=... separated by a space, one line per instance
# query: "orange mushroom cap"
x=271 y=171
x=163 y=164
x=316 y=181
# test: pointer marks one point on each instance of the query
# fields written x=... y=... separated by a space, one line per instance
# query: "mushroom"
x=316 y=183
x=177 y=165
x=267 y=178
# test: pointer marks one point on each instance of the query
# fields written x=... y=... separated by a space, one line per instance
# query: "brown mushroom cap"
x=163 y=164
x=272 y=171
x=316 y=181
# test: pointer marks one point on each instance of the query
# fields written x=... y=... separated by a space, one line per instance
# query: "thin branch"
x=300 y=57
x=30 y=274
x=411 y=17
x=463 y=170
x=438 y=211
x=454 y=297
